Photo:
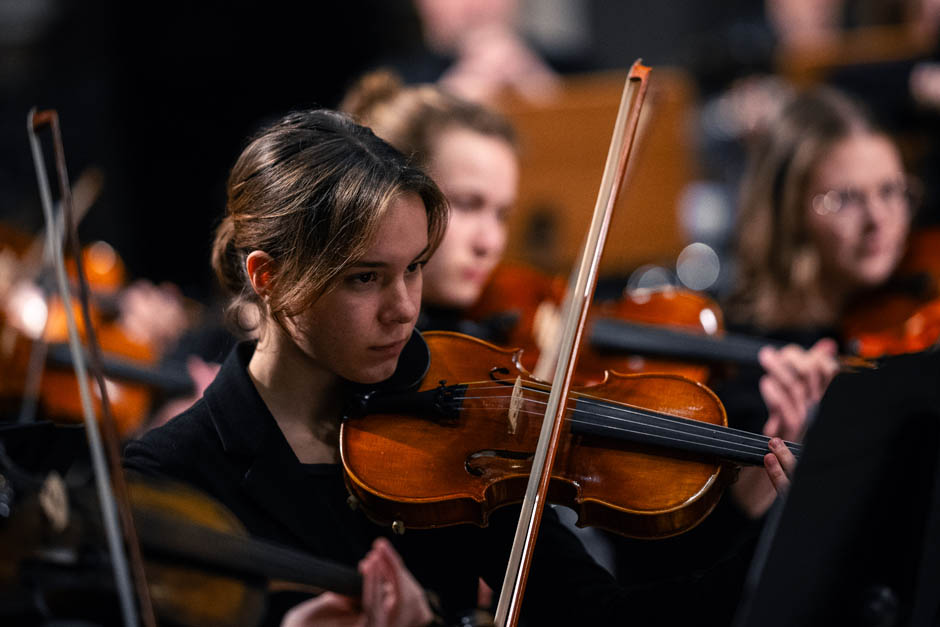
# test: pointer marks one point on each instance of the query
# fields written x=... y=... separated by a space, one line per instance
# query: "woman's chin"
x=873 y=273
x=375 y=374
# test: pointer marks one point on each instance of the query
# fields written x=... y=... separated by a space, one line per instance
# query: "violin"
x=643 y=455
x=902 y=316
x=32 y=327
x=34 y=324
x=666 y=330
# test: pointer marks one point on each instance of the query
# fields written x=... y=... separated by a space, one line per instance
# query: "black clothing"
x=229 y=445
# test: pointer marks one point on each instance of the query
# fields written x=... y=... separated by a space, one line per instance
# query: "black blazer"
x=229 y=445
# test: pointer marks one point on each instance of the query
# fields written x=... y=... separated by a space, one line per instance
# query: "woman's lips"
x=392 y=349
x=474 y=275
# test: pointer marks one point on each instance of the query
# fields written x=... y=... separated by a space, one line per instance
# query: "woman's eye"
x=363 y=277
x=892 y=191
x=468 y=202
x=414 y=267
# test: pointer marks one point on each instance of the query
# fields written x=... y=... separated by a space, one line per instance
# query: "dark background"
x=162 y=96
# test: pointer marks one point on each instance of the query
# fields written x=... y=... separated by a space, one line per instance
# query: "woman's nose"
x=402 y=303
x=489 y=236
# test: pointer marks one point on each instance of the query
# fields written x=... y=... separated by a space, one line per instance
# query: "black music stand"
x=857 y=541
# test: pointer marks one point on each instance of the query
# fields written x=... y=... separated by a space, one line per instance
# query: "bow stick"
x=105 y=456
x=533 y=504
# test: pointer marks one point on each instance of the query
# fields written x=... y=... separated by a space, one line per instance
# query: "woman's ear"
x=260 y=267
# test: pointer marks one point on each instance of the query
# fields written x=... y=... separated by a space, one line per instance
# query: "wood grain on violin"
x=643 y=455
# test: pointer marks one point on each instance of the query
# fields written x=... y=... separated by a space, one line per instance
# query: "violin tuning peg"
x=398 y=527
x=353 y=502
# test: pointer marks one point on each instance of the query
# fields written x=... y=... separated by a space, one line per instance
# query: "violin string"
x=714 y=444
x=696 y=425
x=716 y=448
x=747 y=442
x=705 y=429
x=686 y=422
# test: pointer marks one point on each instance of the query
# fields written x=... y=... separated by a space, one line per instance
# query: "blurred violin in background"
x=668 y=330
x=134 y=324
x=535 y=300
x=902 y=316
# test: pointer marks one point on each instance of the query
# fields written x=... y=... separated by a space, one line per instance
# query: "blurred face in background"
x=479 y=175
x=445 y=22
x=858 y=211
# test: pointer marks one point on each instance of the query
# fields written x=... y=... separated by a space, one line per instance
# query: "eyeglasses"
x=903 y=193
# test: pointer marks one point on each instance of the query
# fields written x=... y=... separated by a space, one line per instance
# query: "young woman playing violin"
x=824 y=216
x=471 y=153
x=326 y=235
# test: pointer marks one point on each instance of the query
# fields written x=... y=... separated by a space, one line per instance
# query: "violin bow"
x=533 y=504
x=37 y=256
x=105 y=455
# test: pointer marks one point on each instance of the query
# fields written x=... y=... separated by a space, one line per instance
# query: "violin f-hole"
x=499 y=462
x=500 y=370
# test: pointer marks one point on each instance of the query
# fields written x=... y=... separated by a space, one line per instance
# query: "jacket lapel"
x=272 y=476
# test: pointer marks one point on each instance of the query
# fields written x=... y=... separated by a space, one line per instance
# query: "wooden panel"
x=809 y=64
x=564 y=145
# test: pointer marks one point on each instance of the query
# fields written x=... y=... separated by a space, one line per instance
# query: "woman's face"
x=858 y=211
x=358 y=328
x=479 y=176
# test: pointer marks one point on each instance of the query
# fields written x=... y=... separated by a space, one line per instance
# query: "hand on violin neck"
x=757 y=488
x=795 y=380
x=780 y=464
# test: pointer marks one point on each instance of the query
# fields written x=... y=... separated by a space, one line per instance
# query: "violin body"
x=428 y=471
x=903 y=316
x=59 y=397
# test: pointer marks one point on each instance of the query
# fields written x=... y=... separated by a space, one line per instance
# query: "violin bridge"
x=515 y=405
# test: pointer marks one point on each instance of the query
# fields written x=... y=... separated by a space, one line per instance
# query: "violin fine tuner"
x=352 y=502
x=398 y=527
